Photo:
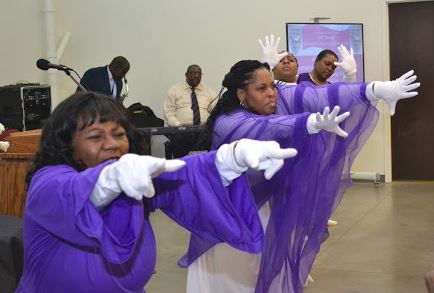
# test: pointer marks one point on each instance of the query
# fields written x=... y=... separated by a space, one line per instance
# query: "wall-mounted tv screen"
x=306 y=40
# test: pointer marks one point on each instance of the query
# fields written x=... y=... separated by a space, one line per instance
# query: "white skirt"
x=226 y=269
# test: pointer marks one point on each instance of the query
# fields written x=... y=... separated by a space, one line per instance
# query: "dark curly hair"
x=55 y=146
x=324 y=53
x=238 y=77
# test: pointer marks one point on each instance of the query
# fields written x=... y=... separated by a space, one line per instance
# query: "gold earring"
x=242 y=104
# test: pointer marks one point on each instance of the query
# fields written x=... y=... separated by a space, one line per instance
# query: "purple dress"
x=72 y=247
x=305 y=192
x=305 y=77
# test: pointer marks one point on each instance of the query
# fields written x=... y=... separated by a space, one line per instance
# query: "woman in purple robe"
x=86 y=222
x=304 y=193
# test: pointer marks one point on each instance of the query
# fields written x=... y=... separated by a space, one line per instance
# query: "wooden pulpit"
x=14 y=165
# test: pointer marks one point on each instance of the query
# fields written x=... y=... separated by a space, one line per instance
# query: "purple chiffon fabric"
x=305 y=77
x=305 y=192
x=72 y=247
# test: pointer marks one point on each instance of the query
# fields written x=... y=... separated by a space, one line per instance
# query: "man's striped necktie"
x=195 y=108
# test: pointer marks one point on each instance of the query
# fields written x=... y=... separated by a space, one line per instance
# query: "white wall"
x=161 y=38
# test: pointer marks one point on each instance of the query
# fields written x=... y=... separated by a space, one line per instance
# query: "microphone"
x=44 y=64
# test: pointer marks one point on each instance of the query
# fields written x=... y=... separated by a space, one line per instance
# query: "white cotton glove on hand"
x=270 y=51
x=393 y=91
x=133 y=175
x=262 y=155
x=327 y=121
x=348 y=64
x=248 y=153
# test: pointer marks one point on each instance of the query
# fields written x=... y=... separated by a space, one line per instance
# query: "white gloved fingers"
x=282 y=153
x=247 y=153
x=339 y=131
x=407 y=74
x=344 y=51
x=392 y=106
x=340 y=51
x=153 y=166
x=173 y=165
x=408 y=80
x=326 y=112
x=267 y=41
x=251 y=160
x=275 y=165
x=141 y=187
x=334 y=113
x=277 y=42
x=411 y=87
x=342 y=117
x=409 y=95
x=270 y=167
x=275 y=159
x=261 y=44
x=265 y=164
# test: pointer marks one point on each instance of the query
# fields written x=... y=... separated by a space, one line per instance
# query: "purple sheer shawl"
x=305 y=192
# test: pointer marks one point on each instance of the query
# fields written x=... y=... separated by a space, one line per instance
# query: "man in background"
x=107 y=79
x=187 y=104
x=180 y=107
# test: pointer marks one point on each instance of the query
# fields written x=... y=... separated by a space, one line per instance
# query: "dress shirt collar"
x=199 y=87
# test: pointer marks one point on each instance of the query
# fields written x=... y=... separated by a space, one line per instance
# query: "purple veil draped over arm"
x=305 y=192
x=207 y=208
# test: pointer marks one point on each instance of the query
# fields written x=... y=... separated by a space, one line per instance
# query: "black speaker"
x=24 y=107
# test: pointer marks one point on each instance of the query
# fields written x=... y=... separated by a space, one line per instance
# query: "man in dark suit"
x=107 y=79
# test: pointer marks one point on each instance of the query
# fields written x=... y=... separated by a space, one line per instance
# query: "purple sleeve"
x=239 y=124
x=196 y=199
x=305 y=77
x=58 y=201
x=314 y=182
x=304 y=193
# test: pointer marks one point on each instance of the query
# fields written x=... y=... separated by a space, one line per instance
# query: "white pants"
x=226 y=269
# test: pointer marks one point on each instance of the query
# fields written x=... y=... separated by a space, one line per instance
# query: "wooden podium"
x=14 y=165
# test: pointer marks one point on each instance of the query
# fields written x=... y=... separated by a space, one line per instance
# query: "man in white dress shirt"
x=188 y=103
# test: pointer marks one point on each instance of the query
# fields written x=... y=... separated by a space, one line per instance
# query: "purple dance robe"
x=305 y=192
x=305 y=77
x=72 y=247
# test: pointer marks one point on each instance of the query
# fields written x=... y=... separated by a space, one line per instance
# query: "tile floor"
x=384 y=242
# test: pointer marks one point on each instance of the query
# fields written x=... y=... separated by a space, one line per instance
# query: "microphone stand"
x=67 y=72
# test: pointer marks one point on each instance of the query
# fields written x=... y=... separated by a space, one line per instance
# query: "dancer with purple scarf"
x=304 y=193
x=86 y=220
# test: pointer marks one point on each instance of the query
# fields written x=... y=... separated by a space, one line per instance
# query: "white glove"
x=348 y=64
x=393 y=91
x=4 y=145
x=133 y=175
x=2 y=128
x=248 y=153
x=327 y=121
x=270 y=53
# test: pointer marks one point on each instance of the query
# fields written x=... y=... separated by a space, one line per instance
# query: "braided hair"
x=238 y=77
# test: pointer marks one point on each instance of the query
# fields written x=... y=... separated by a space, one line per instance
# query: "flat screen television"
x=306 y=40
